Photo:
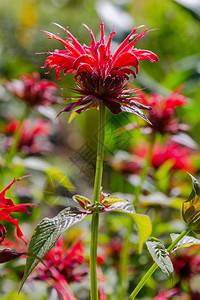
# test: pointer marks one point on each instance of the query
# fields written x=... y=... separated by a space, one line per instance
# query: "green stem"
x=16 y=139
x=145 y=169
x=96 y=197
x=155 y=266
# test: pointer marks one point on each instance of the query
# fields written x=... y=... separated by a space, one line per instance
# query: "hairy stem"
x=155 y=266
x=96 y=197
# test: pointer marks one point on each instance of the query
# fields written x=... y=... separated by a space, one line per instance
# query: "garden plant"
x=104 y=161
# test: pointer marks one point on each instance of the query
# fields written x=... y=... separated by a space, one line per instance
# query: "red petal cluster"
x=163 y=113
x=29 y=142
x=65 y=261
x=181 y=156
x=33 y=90
x=63 y=267
x=100 y=75
x=187 y=264
x=7 y=206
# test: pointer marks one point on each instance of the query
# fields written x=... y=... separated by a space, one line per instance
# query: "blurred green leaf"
x=16 y=296
x=160 y=256
x=53 y=173
x=163 y=174
x=60 y=177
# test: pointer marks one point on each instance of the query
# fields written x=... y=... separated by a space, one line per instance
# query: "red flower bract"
x=7 y=206
x=99 y=74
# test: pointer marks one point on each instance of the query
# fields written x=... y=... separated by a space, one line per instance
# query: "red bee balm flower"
x=162 y=115
x=29 y=142
x=7 y=206
x=33 y=90
x=63 y=266
x=99 y=74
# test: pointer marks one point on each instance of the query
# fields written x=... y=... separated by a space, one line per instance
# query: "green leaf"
x=47 y=233
x=144 y=228
x=59 y=176
x=187 y=241
x=53 y=173
x=143 y=222
x=163 y=175
x=160 y=256
x=196 y=185
x=125 y=207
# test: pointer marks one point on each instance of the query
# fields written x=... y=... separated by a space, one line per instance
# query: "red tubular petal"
x=108 y=51
x=145 y=54
x=83 y=68
x=124 y=71
x=131 y=44
x=67 y=44
x=125 y=60
x=102 y=41
x=125 y=42
x=87 y=59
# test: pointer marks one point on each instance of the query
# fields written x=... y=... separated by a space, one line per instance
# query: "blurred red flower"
x=181 y=156
x=7 y=206
x=29 y=142
x=166 y=295
x=33 y=90
x=99 y=74
x=163 y=113
x=63 y=267
x=187 y=264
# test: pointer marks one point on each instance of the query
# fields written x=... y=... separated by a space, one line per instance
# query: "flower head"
x=29 y=142
x=33 y=90
x=163 y=113
x=180 y=155
x=99 y=74
x=63 y=267
x=187 y=264
x=7 y=206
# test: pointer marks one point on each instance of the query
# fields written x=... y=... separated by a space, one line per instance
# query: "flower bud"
x=191 y=207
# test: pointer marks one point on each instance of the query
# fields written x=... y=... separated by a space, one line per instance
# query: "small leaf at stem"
x=82 y=201
x=47 y=233
x=187 y=241
x=109 y=201
x=160 y=256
